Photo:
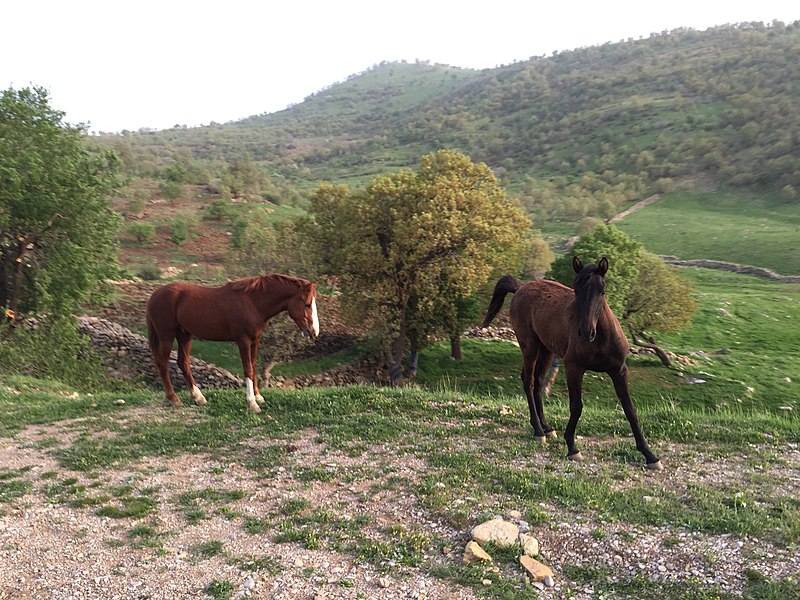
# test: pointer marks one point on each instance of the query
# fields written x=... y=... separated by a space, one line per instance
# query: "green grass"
x=734 y=226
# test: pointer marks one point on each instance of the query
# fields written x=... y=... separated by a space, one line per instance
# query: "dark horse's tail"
x=506 y=284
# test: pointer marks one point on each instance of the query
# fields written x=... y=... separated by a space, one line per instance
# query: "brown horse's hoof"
x=254 y=407
x=655 y=466
x=576 y=457
x=175 y=402
x=541 y=439
x=260 y=399
x=552 y=434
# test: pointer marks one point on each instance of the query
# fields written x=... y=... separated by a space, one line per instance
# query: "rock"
x=384 y=582
x=530 y=545
x=515 y=515
x=474 y=553
x=535 y=570
x=503 y=533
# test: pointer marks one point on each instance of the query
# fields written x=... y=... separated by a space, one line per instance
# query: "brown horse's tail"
x=152 y=335
x=506 y=284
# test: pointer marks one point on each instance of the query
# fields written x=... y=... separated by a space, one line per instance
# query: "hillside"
x=614 y=119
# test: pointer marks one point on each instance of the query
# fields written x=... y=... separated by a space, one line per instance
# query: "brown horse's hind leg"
x=529 y=359
x=540 y=370
x=162 y=362
x=184 y=352
x=249 y=374
x=574 y=385
x=620 y=380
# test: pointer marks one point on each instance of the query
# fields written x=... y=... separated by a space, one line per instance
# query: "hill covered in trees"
x=574 y=134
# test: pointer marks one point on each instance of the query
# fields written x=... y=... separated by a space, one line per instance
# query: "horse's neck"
x=273 y=300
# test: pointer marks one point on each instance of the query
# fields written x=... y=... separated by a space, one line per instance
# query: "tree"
x=658 y=300
x=622 y=253
x=57 y=240
x=413 y=245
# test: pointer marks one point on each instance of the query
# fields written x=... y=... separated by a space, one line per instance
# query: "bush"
x=142 y=231
x=150 y=272
x=51 y=349
x=179 y=229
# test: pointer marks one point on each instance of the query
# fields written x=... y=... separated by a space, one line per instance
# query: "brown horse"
x=549 y=320
x=235 y=312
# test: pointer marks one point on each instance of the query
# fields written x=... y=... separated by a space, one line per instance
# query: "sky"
x=121 y=64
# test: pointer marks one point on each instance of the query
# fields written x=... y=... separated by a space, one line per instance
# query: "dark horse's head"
x=303 y=309
x=590 y=295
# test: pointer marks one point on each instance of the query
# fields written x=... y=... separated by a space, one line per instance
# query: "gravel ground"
x=49 y=550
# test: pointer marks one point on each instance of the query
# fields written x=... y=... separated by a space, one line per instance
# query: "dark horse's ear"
x=577 y=264
x=602 y=266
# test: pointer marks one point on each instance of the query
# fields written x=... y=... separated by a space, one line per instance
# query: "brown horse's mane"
x=259 y=283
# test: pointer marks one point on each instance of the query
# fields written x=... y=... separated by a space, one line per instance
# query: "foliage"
x=170 y=189
x=180 y=228
x=51 y=348
x=57 y=240
x=413 y=244
x=623 y=255
x=142 y=231
x=659 y=299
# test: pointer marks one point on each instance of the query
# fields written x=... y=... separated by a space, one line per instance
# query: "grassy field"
x=699 y=225
x=721 y=424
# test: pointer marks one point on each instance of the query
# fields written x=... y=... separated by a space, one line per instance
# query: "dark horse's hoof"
x=542 y=439
x=577 y=456
x=552 y=434
x=655 y=466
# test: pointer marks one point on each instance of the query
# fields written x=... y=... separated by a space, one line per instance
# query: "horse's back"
x=540 y=312
x=197 y=309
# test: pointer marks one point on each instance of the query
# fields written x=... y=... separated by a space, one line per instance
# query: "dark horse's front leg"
x=620 y=379
x=575 y=388
x=528 y=384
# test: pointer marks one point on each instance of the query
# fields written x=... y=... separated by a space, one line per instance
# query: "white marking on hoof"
x=552 y=434
x=576 y=457
x=656 y=466
x=197 y=396
x=260 y=399
x=251 y=396
x=541 y=439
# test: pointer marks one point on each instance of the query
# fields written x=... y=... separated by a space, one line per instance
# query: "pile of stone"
x=491 y=333
x=507 y=534
x=130 y=352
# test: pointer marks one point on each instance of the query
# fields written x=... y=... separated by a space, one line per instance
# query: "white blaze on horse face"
x=314 y=318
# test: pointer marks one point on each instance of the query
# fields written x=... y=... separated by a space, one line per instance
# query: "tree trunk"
x=455 y=347
x=649 y=342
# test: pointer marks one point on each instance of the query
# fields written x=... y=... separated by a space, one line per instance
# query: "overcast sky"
x=124 y=65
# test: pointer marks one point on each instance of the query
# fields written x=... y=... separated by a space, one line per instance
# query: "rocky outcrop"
x=131 y=352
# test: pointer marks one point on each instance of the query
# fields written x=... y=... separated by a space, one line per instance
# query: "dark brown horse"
x=549 y=320
x=235 y=312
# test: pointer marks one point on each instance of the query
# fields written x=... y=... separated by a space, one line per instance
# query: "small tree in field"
x=659 y=301
x=414 y=244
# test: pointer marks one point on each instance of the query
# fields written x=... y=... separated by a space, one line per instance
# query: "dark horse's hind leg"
x=540 y=371
x=529 y=360
x=620 y=380
x=184 y=352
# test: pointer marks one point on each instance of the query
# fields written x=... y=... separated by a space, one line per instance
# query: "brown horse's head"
x=303 y=309
x=590 y=295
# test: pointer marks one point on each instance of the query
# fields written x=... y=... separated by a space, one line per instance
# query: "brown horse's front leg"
x=249 y=374
x=539 y=390
x=254 y=362
x=527 y=377
x=620 y=379
x=575 y=386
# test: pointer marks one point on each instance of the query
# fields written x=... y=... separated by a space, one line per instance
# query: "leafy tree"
x=414 y=244
x=622 y=253
x=658 y=300
x=57 y=239
x=170 y=189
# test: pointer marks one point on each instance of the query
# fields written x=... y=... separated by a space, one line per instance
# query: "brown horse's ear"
x=602 y=266
x=577 y=264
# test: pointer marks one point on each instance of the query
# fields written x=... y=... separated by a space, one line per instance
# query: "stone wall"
x=732 y=267
x=134 y=351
